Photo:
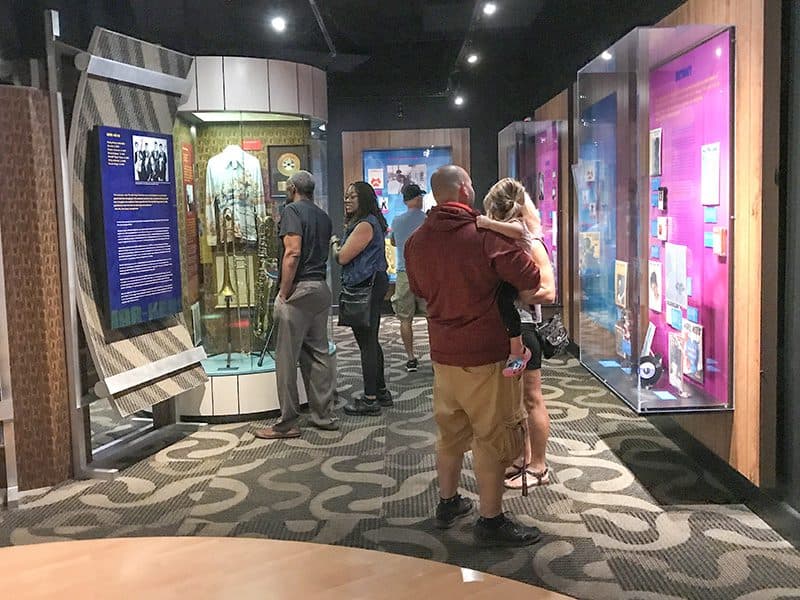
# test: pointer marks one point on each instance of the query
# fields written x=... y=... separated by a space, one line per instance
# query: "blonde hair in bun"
x=504 y=200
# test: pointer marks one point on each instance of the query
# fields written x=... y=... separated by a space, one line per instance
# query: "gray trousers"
x=302 y=337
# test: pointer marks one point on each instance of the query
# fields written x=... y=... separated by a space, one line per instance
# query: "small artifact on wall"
x=693 y=351
x=621 y=283
x=285 y=161
x=676 y=361
x=676 y=287
x=662 y=228
x=655 y=152
x=655 y=286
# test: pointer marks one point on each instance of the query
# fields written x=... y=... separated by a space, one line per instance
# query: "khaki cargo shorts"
x=477 y=407
x=405 y=304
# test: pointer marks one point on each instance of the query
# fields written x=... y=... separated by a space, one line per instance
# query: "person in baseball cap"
x=406 y=306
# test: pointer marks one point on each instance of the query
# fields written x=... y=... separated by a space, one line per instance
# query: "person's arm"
x=355 y=244
x=512 y=264
x=512 y=229
x=546 y=294
x=293 y=246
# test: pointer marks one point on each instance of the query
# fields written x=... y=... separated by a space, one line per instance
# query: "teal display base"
x=242 y=364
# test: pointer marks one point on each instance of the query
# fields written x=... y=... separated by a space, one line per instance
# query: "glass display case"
x=529 y=152
x=654 y=217
x=232 y=169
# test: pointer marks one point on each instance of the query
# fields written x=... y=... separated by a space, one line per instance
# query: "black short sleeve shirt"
x=313 y=225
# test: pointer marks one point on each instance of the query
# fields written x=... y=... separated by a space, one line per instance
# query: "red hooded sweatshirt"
x=457 y=268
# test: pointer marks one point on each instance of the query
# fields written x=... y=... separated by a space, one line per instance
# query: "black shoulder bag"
x=355 y=303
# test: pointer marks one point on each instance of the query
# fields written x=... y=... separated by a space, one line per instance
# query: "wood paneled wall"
x=355 y=142
x=559 y=108
x=746 y=438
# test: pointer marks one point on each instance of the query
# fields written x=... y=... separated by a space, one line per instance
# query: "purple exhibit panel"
x=690 y=123
x=547 y=187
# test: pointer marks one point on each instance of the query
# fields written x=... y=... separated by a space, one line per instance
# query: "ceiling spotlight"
x=489 y=9
x=458 y=100
x=278 y=24
x=322 y=127
x=606 y=55
x=472 y=59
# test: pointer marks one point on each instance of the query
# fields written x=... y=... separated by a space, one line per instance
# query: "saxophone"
x=267 y=261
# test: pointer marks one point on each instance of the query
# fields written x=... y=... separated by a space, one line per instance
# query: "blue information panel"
x=139 y=226
x=389 y=170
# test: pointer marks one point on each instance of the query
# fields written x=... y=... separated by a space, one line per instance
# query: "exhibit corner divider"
x=136 y=350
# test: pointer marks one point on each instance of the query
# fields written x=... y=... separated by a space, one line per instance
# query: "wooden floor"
x=218 y=568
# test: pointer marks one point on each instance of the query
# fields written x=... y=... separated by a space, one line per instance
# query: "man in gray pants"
x=301 y=312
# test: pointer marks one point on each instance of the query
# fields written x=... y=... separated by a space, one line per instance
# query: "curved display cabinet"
x=245 y=126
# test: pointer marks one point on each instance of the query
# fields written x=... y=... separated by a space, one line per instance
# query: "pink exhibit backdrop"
x=690 y=102
x=547 y=186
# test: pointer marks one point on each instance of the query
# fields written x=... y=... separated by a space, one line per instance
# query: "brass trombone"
x=227 y=291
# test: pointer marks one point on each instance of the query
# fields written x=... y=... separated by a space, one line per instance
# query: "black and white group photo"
x=150 y=156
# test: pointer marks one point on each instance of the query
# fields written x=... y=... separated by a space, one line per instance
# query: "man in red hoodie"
x=457 y=269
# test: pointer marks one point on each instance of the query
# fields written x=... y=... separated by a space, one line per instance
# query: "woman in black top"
x=362 y=255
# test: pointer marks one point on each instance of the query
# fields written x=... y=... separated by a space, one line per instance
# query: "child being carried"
x=511 y=212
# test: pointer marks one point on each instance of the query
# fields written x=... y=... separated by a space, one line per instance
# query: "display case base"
x=248 y=392
x=624 y=383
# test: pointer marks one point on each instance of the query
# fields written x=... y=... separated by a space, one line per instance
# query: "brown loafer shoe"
x=270 y=433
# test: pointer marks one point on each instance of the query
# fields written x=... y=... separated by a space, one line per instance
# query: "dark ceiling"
x=388 y=48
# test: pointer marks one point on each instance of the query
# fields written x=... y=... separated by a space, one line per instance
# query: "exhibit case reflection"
x=232 y=169
x=529 y=152
x=654 y=210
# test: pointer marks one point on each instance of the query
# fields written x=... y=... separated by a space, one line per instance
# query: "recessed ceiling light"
x=278 y=24
x=606 y=55
x=489 y=8
x=458 y=100
x=472 y=59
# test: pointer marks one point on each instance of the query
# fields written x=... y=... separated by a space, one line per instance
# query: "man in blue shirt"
x=406 y=305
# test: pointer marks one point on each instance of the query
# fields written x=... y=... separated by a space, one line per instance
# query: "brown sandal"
x=270 y=433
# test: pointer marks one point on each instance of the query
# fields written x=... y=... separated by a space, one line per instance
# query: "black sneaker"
x=447 y=513
x=362 y=407
x=505 y=533
x=385 y=398
x=412 y=366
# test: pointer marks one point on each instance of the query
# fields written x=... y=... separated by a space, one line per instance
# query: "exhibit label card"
x=139 y=226
x=709 y=174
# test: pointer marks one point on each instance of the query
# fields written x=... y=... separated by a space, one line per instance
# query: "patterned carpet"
x=628 y=515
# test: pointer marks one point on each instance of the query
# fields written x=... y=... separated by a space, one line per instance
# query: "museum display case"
x=231 y=170
x=654 y=224
x=529 y=151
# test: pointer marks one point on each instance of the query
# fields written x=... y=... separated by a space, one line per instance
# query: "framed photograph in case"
x=284 y=161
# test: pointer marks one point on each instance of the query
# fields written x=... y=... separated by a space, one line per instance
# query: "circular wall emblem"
x=288 y=163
